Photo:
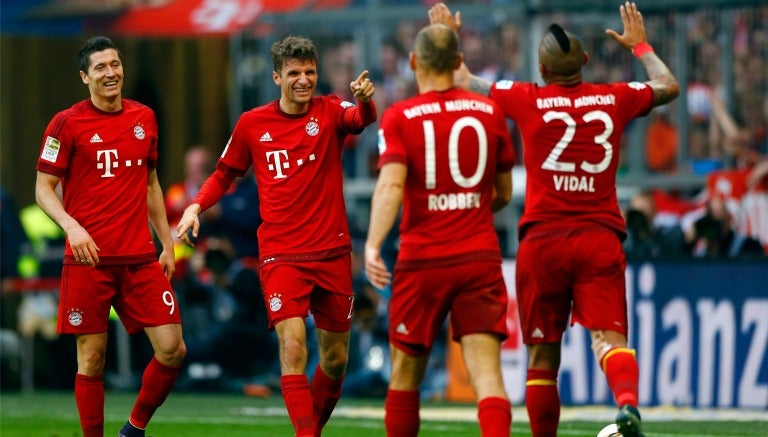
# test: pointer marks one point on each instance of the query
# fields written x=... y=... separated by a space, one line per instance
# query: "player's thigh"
x=146 y=298
x=420 y=302
x=480 y=300
x=599 y=293
x=543 y=287
x=286 y=290
x=85 y=297
x=332 y=297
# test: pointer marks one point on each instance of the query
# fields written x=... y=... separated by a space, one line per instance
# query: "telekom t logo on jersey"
x=107 y=160
x=278 y=161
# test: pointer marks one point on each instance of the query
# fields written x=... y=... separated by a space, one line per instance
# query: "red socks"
x=495 y=417
x=325 y=395
x=542 y=402
x=156 y=384
x=89 y=397
x=622 y=373
x=298 y=402
x=401 y=413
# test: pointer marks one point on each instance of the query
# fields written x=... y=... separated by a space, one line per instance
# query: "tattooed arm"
x=662 y=81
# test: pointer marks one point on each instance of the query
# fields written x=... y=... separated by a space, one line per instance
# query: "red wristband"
x=640 y=49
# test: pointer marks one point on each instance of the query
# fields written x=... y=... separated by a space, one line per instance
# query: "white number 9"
x=168 y=301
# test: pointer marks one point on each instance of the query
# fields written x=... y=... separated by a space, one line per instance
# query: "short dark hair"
x=293 y=47
x=437 y=48
x=93 y=45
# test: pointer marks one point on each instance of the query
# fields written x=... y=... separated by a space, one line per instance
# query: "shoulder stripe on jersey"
x=61 y=118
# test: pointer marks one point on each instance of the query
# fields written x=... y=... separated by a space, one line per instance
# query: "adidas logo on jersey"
x=96 y=139
x=401 y=329
x=266 y=138
x=537 y=333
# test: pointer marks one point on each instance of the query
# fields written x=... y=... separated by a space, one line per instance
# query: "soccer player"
x=103 y=151
x=570 y=262
x=447 y=156
x=295 y=145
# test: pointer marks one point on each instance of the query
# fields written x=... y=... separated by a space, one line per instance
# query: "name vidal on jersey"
x=574 y=183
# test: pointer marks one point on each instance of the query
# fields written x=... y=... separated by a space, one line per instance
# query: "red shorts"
x=474 y=293
x=323 y=287
x=140 y=294
x=576 y=273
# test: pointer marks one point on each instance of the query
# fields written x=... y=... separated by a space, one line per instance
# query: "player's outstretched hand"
x=189 y=225
x=375 y=268
x=634 y=29
x=362 y=87
x=440 y=14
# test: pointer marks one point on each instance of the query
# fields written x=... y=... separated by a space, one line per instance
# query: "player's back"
x=572 y=138
x=453 y=144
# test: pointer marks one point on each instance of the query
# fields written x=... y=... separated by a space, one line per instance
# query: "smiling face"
x=104 y=78
x=297 y=81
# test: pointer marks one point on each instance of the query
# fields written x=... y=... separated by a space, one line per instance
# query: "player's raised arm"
x=662 y=81
x=463 y=78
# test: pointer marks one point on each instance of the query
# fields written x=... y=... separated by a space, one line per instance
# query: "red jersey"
x=454 y=143
x=297 y=163
x=571 y=141
x=103 y=159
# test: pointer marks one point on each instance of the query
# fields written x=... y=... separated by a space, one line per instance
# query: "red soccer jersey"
x=297 y=163
x=103 y=160
x=454 y=143
x=571 y=141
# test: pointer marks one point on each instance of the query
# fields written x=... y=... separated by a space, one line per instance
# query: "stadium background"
x=700 y=325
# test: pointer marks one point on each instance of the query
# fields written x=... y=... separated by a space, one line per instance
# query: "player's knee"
x=172 y=357
x=91 y=362
x=334 y=364
x=604 y=340
x=544 y=356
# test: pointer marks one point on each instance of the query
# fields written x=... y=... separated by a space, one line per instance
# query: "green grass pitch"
x=53 y=414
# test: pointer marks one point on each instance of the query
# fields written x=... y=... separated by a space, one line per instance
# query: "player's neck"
x=293 y=108
x=435 y=82
x=565 y=80
x=113 y=104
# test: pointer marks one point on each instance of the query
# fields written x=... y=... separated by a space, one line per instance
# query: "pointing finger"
x=362 y=76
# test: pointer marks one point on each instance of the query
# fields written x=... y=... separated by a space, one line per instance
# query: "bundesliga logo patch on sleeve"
x=51 y=149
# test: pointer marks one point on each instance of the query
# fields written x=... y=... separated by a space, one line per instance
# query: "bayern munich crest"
x=275 y=303
x=138 y=132
x=312 y=128
x=75 y=317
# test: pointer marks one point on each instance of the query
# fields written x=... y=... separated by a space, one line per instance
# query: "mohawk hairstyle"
x=562 y=39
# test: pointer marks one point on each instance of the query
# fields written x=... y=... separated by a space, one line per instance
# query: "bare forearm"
x=466 y=80
x=385 y=206
x=157 y=216
x=662 y=81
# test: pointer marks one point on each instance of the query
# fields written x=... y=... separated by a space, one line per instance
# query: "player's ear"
x=459 y=61
x=543 y=71
x=84 y=77
x=586 y=58
x=412 y=61
x=276 y=78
